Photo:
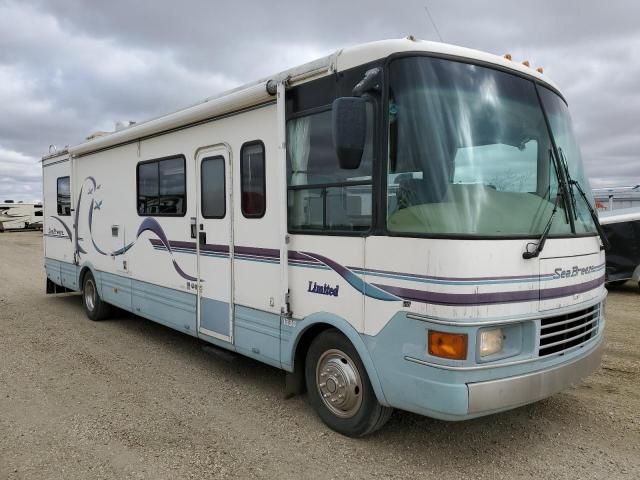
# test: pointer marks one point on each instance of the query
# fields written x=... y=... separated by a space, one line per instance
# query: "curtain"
x=299 y=141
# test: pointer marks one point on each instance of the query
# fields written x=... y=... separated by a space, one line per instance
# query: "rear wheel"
x=339 y=388
x=95 y=308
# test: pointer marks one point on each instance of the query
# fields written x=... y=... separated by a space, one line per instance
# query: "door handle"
x=193 y=228
x=202 y=238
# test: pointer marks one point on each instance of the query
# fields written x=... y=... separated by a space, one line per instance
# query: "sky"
x=72 y=67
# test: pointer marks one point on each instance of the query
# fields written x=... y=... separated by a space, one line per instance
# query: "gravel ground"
x=126 y=398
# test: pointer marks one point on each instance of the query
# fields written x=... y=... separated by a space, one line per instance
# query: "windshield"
x=469 y=152
x=562 y=130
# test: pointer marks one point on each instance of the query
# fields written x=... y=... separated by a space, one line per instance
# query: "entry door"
x=215 y=240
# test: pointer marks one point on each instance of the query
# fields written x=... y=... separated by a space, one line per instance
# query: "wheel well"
x=296 y=378
x=83 y=273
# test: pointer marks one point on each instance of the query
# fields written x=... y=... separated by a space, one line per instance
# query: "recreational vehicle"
x=622 y=227
x=15 y=216
x=402 y=224
x=616 y=198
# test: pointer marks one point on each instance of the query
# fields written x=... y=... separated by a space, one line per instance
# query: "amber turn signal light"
x=447 y=345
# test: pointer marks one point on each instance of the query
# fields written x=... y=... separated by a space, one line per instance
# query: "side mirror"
x=349 y=128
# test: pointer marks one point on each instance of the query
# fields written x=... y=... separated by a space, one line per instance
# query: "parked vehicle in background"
x=622 y=228
x=401 y=224
x=616 y=198
x=14 y=216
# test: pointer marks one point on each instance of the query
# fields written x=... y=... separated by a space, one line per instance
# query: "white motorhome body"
x=378 y=277
x=14 y=216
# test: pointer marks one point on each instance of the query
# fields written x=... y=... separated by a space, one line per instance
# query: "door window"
x=252 y=179
x=212 y=185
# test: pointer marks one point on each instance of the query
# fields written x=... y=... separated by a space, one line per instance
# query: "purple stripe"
x=533 y=276
x=257 y=252
x=557 y=292
x=270 y=253
x=410 y=294
x=469 y=299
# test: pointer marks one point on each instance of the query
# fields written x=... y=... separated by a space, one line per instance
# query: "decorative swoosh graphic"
x=149 y=224
x=98 y=249
x=306 y=259
x=68 y=230
x=352 y=279
x=388 y=292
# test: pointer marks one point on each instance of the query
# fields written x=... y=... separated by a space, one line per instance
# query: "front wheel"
x=95 y=308
x=339 y=388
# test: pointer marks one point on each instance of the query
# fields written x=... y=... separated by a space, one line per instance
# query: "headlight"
x=491 y=342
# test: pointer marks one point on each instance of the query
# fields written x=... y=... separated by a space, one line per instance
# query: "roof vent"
x=97 y=134
x=122 y=125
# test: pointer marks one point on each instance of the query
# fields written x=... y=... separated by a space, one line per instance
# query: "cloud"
x=70 y=67
x=20 y=176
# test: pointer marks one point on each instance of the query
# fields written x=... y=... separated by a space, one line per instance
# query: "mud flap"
x=294 y=383
x=53 y=288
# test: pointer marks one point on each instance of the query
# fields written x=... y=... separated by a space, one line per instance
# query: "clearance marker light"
x=507 y=56
x=526 y=63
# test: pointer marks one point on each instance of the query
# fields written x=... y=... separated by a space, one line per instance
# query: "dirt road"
x=126 y=398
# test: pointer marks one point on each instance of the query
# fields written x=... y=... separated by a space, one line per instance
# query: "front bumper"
x=505 y=393
x=452 y=393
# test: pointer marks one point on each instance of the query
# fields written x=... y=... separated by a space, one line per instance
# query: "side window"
x=64 y=196
x=252 y=185
x=162 y=187
x=212 y=186
x=321 y=195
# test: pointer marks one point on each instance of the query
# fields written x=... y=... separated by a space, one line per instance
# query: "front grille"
x=563 y=332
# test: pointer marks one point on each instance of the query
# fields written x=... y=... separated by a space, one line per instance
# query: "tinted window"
x=162 y=187
x=253 y=179
x=148 y=188
x=64 y=196
x=212 y=186
x=321 y=195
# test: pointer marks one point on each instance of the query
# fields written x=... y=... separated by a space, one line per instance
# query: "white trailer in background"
x=617 y=198
x=622 y=227
x=17 y=216
x=399 y=224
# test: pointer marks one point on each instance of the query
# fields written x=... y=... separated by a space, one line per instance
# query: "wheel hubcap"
x=339 y=383
x=90 y=295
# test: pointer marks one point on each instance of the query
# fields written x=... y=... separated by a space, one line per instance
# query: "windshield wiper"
x=562 y=190
x=543 y=238
x=592 y=212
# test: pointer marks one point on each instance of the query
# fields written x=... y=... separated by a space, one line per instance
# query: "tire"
x=339 y=389
x=617 y=283
x=95 y=308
